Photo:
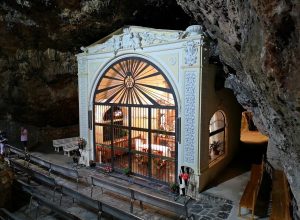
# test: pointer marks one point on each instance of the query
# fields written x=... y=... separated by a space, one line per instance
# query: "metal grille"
x=135 y=119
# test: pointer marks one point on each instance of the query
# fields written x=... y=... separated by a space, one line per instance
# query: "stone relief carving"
x=193 y=30
x=117 y=43
x=130 y=40
x=137 y=38
x=173 y=60
x=191 y=50
x=189 y=113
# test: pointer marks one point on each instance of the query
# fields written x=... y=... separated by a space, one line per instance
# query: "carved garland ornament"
x=190 y=114
x=191 y=50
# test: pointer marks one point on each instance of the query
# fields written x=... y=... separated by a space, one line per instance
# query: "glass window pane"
x=217 y=122
x=217 y=136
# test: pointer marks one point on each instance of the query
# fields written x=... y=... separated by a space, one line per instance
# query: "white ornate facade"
x=180 y=56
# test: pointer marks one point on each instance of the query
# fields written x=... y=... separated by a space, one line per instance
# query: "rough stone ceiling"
x=39 y=39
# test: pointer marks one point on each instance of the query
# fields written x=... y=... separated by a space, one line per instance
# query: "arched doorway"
x=135 y=112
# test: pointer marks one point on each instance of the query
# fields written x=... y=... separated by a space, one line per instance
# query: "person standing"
x=3 y=141
x=24 y=137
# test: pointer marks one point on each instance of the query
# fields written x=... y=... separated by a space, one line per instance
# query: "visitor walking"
x=24 y=137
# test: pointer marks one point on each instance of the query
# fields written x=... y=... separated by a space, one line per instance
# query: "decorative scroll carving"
x=193 y=30
x=190 y=114
x=191 y=51
x=173 y=60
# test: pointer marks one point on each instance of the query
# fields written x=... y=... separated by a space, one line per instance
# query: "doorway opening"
x=135 y=114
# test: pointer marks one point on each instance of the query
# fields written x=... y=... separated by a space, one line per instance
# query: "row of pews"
x=281 y=200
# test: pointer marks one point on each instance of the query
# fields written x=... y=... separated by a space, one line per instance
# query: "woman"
x=3 y=141
x=24 y=137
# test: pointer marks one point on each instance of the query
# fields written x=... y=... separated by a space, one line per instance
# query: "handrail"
x=41 y=177
x=40 y=161
x=134 y=194
x=9 y=215
x=15 y=150
x=36 y=175
x=64 y=171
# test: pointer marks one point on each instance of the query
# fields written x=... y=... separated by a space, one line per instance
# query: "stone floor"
x=210 y=207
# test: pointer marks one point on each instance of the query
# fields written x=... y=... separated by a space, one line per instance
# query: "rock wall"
x=6 y=181
x=258 y=44
x=38 y=69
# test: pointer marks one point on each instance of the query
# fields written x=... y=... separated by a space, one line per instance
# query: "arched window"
x=217 y=136
x=135 y=112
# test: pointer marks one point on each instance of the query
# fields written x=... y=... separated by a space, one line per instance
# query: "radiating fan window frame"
x=123 y=91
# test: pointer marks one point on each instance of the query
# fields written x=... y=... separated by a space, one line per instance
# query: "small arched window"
x=217 y=136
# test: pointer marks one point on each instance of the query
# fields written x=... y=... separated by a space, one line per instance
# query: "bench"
x=66 y=172
x=281 y=200
x=97 y=205
x=67 y=144
x=38 y=161
x=54 y=168
x=32 y=174
x=61 y=212
x=134 y=194
x=249 y=197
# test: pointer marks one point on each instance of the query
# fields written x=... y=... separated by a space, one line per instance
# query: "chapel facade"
x=149 y=104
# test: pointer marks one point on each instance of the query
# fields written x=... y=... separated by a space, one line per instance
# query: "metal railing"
x=99 y=207
x=51 y=167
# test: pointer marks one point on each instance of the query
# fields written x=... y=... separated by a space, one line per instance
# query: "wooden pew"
x=281 y=199
x=180 y=209
x=249 y=197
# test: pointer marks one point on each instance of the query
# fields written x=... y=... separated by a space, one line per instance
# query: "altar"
x=155 y=148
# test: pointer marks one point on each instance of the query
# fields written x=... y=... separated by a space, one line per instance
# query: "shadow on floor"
x=247 y=154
